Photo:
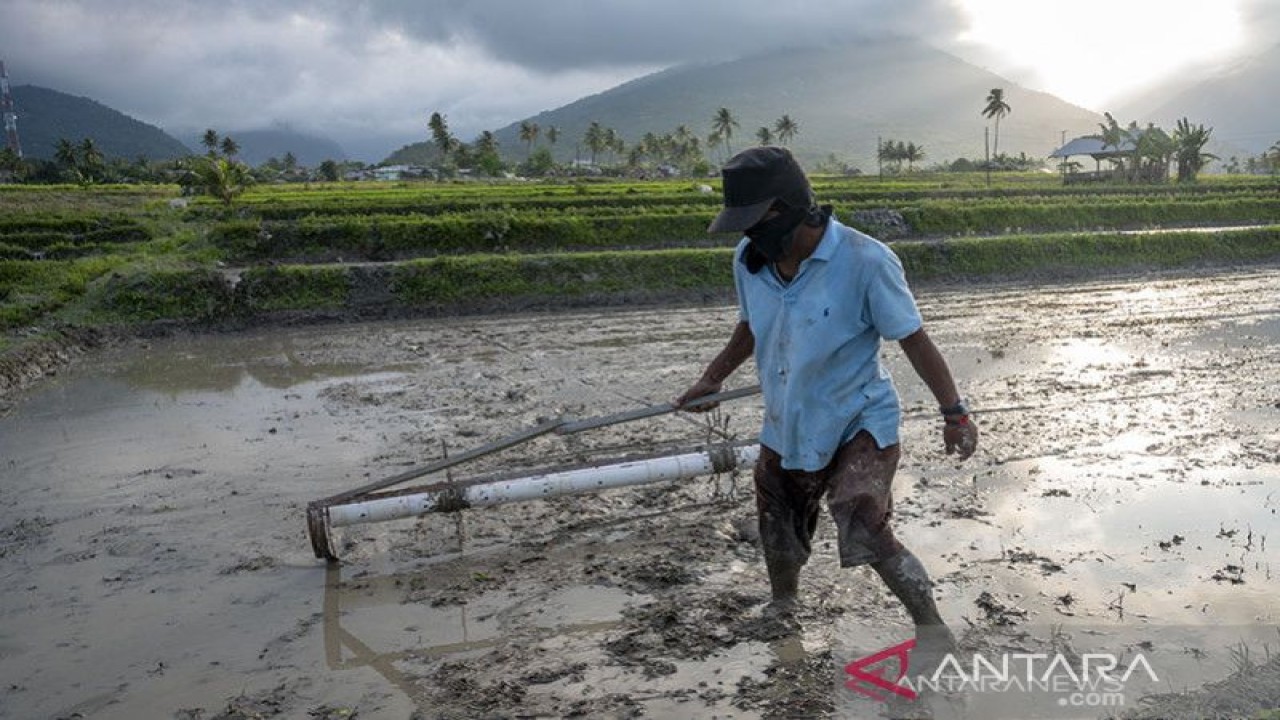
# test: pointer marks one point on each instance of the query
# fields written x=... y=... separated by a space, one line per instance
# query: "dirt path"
x=154 y=559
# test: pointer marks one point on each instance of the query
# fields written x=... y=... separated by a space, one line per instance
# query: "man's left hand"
x=960 y=438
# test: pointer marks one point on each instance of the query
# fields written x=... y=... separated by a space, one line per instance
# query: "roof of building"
x=1092 y=145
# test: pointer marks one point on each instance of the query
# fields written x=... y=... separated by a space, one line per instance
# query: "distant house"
x=1096 y=148
x=1127 y=161
x=397 y=172
x=390 y=172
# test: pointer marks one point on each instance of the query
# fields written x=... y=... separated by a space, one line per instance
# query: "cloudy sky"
x=368 y=73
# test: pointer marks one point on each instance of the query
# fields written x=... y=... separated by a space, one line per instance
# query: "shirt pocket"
x=837 y=318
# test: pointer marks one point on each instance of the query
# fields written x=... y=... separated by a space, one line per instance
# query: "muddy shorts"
x=858 y=487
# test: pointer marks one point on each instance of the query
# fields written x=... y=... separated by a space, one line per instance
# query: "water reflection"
x=368 y=623
x=213 y=368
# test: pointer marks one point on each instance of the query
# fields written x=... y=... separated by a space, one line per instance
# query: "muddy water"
x=154 y=558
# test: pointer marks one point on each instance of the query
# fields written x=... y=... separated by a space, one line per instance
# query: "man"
x=815 y=298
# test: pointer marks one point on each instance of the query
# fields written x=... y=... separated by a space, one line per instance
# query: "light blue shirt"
x=817 y=345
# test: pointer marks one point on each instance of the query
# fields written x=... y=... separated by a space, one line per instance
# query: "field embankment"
x=85 y=262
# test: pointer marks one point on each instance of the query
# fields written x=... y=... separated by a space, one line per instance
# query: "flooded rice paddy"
x=154 y=560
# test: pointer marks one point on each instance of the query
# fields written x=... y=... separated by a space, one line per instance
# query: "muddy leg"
x=907 y=579
x=787 y=507
x=784 y=582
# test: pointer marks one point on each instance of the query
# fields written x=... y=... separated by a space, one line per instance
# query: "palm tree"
x=786 y=128
x=92 y=163
x=1189 y=142
x=595 y=139
x=210 y=141
x=440 y=135
x=529 y=134
x=912 y=154
x=724 y=123
x=714 y=139
x=553 y=134
x=613 y=142
x=764 y=135
x=996 y=108
x=65 y=153
x=884 y=153
x=487 y=142
x=230 y=147
x=220 y=177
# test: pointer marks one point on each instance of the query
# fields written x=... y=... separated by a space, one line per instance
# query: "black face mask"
x=773 y=237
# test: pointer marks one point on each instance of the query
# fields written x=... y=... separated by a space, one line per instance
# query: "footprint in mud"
x=681 y=628
x=25 y=533
x=999 y=612
x=649 y=575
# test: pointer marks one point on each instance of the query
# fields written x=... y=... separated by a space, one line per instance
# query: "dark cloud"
x=368 y=73
x=558 y=34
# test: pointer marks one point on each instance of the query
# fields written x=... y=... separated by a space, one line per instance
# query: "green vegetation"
x=74 y=256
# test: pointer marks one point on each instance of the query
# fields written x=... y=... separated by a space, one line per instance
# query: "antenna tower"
x=10 y=117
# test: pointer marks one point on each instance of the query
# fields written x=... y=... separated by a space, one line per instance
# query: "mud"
x=155 y=562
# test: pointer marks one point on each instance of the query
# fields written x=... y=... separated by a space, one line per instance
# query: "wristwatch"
x=960 y=408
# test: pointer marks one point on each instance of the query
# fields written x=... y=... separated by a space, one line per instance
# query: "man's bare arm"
x=959 y=433
x=736 y=351
x=931 y=367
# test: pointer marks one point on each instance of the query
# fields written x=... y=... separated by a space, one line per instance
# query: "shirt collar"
x=828 y=244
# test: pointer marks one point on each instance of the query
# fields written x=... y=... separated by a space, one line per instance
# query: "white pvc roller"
x=569 y=482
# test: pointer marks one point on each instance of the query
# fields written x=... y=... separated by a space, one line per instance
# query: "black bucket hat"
x=753 y=180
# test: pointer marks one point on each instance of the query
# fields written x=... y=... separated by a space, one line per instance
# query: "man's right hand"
x=699 y=389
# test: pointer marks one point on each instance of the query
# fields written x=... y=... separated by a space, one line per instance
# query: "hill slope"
x=843 y=99
x=1241 y=103
x=46 y=116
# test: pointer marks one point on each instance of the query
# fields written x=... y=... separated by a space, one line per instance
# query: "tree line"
x=680 y=151
x=1138 y=154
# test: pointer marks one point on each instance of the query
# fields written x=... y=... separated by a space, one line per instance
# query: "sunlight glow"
x=1094 y=52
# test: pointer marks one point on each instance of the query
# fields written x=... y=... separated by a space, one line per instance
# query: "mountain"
x=1241 y=103
x=46 y=116
x=258 y=146
x=843 y=99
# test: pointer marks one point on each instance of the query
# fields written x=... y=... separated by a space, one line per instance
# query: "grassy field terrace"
x=122 y=257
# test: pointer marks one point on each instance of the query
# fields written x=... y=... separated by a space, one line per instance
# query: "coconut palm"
x=92 y=164
x=220 y=177
x=786 y=128
x=613 y=142
x=714 y=139
x=529 y=134
x=487 y=142
x=210 y=141
x=723 y=123
x=996 y=108
x=230 y=147
x=1189 y=142
x=65 y=153
x=912 y=154
x=440 y=135
x=884 y=153
x=596 y=139
x=764 y=135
